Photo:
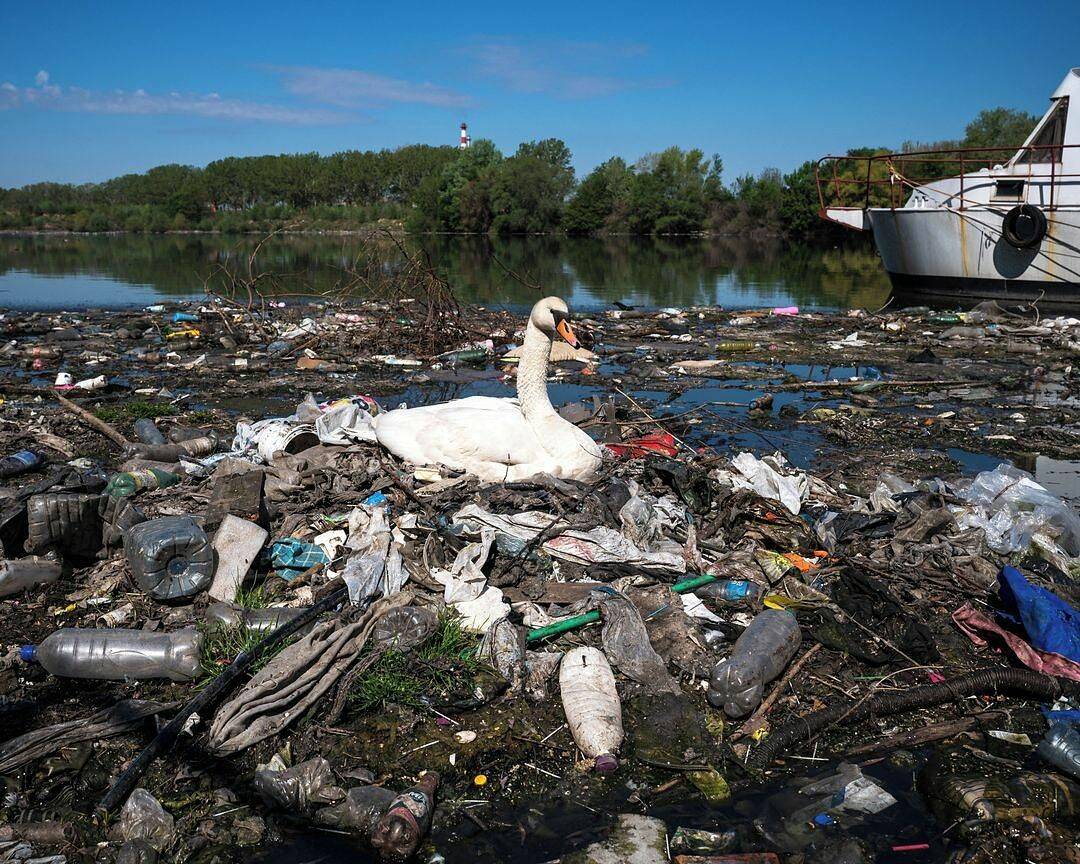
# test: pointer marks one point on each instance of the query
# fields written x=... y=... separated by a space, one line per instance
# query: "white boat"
x=990 y=223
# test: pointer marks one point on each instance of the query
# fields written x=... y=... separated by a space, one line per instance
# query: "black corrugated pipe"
x=1019 y=682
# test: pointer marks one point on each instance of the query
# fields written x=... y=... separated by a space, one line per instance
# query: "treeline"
x=476 y=190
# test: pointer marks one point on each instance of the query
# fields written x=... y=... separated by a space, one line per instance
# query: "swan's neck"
x=532 y=374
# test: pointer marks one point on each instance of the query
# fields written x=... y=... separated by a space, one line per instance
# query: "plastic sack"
x=143 y=818
x=299 y=788
x=170 y=558
x=1050 y=622
x=1010 y=507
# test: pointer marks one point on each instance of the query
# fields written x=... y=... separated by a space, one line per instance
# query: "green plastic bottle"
x=129 y=482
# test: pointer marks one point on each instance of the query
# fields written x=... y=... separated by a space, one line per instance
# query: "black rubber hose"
x=1018 y=682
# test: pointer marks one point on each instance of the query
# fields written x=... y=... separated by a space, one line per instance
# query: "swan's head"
x=552 y=318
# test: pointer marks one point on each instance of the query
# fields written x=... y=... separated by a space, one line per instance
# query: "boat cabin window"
x=1009 y=190
x=1046 y=146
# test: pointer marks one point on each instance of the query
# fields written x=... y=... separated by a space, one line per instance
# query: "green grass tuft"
x=252 y=598
x=137 y=410
x=440 y=664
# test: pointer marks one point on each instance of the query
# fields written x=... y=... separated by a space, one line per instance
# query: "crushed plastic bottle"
x=129 y=482
x=170 y=558
x=591 y=703
x=1061 y=748
x=23 y=573
x=19 y=463
x=400 y=830
x=760 y=654
x=118 y=654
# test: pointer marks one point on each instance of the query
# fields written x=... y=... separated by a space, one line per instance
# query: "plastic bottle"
x=179 y=317
x=400 y=830
x=179 y=434
x=170 y=557
x=467 y=355
x=1061 y=748
x=259 y=620
x=592 y=706
x=760 y=654
x=733 y=592
x=118 y=654
x=98 y=383
x=146 y=430
x=44 y=352
x=22 y=573
x=19 y=463
x=129 y=482
x=734 y=347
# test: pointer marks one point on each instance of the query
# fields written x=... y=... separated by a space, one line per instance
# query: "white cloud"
x=351 y=88
x=51 y=97
x=567 y=70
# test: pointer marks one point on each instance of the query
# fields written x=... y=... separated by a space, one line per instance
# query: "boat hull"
x=938 y=253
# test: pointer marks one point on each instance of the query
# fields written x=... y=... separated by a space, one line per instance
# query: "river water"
x=77 y=271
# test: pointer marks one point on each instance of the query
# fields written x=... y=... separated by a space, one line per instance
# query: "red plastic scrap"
x=659 y=443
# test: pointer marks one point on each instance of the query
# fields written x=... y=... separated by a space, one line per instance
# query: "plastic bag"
x=1010 y=507
x=626 y=644
x=405 y=627
x=298 y=788
x=143 y=818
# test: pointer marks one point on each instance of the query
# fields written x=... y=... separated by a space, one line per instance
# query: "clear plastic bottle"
x=23 y=573
x=19 y=463
x=591 y=703
x=146 y=430
x=760 y=654
x=259 y=620
x=118 y=654
x=734 y=592
x=1061 y=748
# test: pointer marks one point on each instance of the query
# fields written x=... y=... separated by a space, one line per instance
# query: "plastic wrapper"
x=171 y=557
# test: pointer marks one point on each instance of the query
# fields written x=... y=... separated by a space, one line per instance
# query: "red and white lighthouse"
x=465 y=139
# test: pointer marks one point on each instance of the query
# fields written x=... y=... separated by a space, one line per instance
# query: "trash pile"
x=231 y=619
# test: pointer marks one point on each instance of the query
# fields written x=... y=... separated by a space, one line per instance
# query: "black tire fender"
x=1024 y=226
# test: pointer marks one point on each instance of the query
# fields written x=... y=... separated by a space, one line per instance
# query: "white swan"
x=505 y=440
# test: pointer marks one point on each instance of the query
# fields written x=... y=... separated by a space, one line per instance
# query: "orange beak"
x=564 y=329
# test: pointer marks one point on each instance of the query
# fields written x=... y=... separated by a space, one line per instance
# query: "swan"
x=500 y=440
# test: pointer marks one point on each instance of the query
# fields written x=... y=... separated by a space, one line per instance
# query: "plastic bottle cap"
x=606 y=764
x=480 y=779
x=28 y=653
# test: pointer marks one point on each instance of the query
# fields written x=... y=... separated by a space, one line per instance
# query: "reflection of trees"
x=588 y=271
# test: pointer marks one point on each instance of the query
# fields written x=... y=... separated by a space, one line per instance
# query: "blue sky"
x=89 y=91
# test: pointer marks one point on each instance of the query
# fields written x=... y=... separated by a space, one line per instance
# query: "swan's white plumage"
x=505 y=440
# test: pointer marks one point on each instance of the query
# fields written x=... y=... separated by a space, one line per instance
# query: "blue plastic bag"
x=1050 y=622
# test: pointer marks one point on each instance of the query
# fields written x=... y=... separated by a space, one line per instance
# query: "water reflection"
x=118 y=270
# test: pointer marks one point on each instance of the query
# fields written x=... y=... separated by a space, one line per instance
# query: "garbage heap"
x=762 y=660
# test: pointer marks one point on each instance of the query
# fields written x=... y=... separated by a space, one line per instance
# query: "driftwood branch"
x=96 y=423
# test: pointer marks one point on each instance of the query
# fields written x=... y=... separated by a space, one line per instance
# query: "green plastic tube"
x=577 y=621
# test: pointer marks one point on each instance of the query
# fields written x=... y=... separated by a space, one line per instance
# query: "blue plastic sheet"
x=1050 y=622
